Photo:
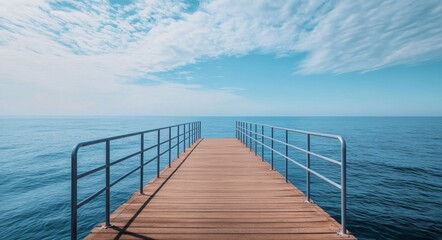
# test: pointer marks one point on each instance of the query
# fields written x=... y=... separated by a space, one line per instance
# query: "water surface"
x=394 y=170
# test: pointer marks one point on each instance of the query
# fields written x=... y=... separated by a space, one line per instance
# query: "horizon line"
x=87 y=115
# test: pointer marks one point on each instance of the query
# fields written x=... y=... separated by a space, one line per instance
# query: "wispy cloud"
x=87 y=53
x=368 y=35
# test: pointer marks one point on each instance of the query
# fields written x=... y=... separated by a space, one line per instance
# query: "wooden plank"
x=228 y=224
x=219 y=189
x=226 y=236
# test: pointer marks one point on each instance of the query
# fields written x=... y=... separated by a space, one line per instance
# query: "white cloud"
x=368 y=35
x=82 y=57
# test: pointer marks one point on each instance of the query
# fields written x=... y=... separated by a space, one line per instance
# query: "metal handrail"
x=247 y=133
x=192 y=134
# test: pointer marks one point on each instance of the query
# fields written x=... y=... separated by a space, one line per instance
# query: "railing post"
x=184 y=138
x=343 y=187
x=239 y=130
x=272 y=148
x=170 y=145
x=262 y=142
x=190 y=133
x=250 y=137
x=286 y=156
x=178 y=142
x=246 y=135
x=236 y=129
x=158 y=152
x=107 y=184
x=242 y=132
x=307 y=164
x=74 y=200
x=256 y=142
x=142 y=163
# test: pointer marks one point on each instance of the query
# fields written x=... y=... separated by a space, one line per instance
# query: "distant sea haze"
x=394 y=171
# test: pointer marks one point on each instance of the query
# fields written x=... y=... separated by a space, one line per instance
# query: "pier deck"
x=218 y=189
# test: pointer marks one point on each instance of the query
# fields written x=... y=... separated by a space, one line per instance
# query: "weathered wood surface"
x=219 y=189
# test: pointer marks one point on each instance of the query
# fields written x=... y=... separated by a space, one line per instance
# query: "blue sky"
x=314 y=58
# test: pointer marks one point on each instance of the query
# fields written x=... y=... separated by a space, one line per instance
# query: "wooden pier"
x=218 y=189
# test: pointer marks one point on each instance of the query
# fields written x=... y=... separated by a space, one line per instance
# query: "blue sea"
x=394 y=170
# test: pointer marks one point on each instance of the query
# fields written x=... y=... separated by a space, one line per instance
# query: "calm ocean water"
x=394 y=171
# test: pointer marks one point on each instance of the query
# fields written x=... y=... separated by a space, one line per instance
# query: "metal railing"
x=190 y=132
x=248 y=134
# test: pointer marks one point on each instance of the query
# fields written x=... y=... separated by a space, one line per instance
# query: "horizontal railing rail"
x=252 y=134
x=189 y=132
